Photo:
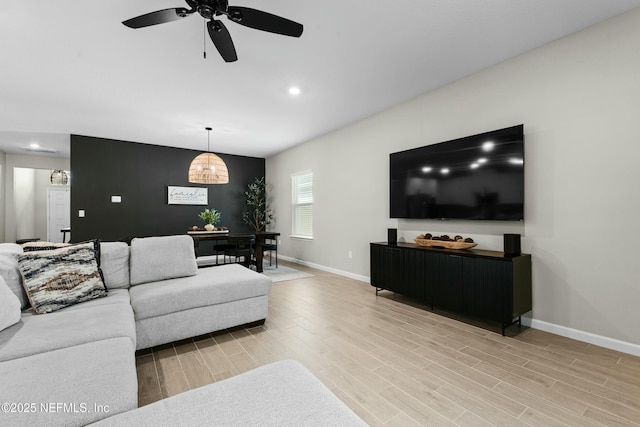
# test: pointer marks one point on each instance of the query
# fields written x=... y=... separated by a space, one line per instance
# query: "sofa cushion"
x=10 y=248
x=114 y=263
x=94 y=381
x=283 y=393
x=114 y=296
x=9 y=306
x=154 y=331
x=209 y=286
x=82 y=323
x=58 y=278
x=161 y=258
x=11 y=273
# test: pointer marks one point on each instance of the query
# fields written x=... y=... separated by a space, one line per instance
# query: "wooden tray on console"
x=445 y=244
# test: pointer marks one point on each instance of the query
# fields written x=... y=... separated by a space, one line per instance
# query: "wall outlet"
x=116 y=199
x=350 y=254
x=81 y=213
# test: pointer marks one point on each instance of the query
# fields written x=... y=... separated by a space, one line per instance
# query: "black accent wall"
x=140 y=174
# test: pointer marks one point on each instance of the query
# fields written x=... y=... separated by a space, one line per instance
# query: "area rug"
x=283 y=273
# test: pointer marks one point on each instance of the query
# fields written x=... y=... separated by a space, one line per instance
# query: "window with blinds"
x=302 y=202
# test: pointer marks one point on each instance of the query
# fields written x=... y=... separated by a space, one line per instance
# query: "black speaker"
x=512 y=244
x=392 y=236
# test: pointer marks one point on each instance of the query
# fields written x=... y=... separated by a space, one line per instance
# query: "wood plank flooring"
x=395 y=363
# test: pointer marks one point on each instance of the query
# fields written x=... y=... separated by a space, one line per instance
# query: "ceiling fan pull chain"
x=204 y=39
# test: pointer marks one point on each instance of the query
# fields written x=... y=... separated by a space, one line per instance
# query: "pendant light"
x=59 y=177
x=208 y=168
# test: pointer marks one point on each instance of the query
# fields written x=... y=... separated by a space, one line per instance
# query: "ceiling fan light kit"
x=209 y=10
x=208 y=168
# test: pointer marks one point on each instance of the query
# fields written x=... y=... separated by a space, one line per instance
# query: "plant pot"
x=209 y=227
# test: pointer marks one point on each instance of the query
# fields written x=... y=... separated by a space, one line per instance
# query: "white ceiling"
x=71 y=67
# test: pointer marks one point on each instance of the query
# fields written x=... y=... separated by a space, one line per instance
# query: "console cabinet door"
x=387 y=268
x=447 y=281
x=377 y=265
x=416 y=273
x=394 y=270
x=488 y=289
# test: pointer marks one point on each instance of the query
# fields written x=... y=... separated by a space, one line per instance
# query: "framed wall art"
x=187 y=195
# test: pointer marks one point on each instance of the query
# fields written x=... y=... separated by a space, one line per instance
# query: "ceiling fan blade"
x=157 y=17
x=264 y=21
x=222 y=40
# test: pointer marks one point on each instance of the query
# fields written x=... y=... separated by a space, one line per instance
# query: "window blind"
x=302 y=184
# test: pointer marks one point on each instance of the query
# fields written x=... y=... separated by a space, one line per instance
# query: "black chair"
x=30 y=239
x=240 y=249
x=270 y=247
x=205 y=257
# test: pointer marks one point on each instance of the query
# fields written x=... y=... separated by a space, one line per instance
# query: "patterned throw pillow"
x=42 y=246
x=61 y=277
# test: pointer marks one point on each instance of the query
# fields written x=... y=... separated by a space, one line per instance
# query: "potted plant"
x=258 y=213
x=210 y=218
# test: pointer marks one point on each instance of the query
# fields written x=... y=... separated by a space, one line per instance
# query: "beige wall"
x=30 y=200
x=3 y=199
x=18 y=161
x=579 y=99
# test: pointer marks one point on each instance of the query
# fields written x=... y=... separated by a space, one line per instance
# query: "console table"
x=239 y=244
x=488 y=285
x=261 y=236
x=257 y=238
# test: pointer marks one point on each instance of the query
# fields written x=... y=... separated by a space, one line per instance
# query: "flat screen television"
x=478 y=177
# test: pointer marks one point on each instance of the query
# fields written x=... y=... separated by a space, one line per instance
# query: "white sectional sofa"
x=173 y=299
x=280 y=394
x=76 y=365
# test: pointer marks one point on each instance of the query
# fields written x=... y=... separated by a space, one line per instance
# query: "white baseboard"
x=588 y=337
x=328 y=269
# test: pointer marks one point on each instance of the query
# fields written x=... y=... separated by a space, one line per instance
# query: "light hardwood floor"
x=396 y=363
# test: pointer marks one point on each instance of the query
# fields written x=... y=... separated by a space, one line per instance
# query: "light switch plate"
x=116 y=199
x=81 y=213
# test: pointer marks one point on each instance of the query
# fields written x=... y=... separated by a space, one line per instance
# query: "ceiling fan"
x=209 y=9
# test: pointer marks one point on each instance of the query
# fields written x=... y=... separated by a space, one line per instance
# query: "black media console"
x=487 y=285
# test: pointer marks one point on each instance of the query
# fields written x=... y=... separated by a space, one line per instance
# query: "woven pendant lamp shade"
x=208 y=168
x=59 y=177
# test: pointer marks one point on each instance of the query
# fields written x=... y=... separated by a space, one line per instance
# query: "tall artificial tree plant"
x=258 y=213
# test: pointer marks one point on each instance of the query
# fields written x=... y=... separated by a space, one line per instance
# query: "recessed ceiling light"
x=444 y=171
x=426 y=169
x=474 y=165
x=482 y=160
x=294 y=91
x=488 y=146
x=38 y=148
x=516 y=161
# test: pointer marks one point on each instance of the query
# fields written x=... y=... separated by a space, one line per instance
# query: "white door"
x=59 y=206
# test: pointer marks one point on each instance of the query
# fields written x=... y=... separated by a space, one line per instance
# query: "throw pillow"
x=42 y=246
x=62 y=277
x=9 y=306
